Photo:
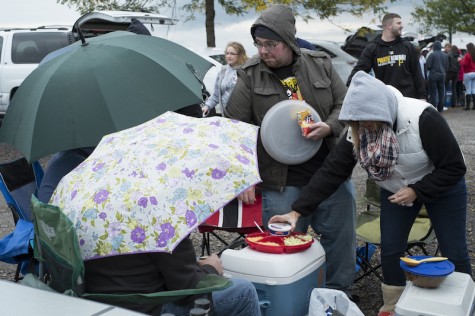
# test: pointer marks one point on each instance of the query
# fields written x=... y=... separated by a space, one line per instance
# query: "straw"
x=259 y=227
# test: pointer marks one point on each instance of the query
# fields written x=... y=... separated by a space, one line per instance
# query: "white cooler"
x=454 y=296
x=283 y=282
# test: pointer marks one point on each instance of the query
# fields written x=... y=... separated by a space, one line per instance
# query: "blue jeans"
x=240 y=299
x=437 y=91
x=469 y=82
x=333 y=219
x=448 y=215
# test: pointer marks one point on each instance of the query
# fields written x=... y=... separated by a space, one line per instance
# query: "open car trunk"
x=101 y=22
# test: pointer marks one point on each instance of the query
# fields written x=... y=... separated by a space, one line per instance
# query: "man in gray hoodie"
x=437 y=66
x=282 y=71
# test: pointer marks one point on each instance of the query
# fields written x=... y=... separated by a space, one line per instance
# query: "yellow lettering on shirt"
x=391 y=60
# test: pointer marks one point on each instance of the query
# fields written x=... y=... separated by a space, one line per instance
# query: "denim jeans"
x=240 y=299
x=437 y=91
x=333 y=219
x=469 y=82
x=448 y=215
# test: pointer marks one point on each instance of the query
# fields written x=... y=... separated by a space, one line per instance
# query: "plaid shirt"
x=379 y=151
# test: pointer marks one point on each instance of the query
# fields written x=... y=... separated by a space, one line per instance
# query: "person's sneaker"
x=445 y=108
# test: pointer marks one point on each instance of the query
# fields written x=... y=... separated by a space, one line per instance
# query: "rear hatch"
x=101 y=22
x=356 y=43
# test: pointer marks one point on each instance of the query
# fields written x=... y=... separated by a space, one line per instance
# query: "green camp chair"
x=368 y=231
x=57 y=249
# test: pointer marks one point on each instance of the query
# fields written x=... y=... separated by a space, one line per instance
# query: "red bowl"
x=279 y=240
x=298 y=248
x=266 y=237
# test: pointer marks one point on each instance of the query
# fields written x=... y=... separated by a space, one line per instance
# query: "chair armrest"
x=208 y=284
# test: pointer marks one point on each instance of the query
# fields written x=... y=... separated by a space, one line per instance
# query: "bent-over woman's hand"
x=292 y=217
x=404 y=197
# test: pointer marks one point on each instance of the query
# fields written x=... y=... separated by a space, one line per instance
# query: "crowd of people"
x=382 y=122
x=448 y=75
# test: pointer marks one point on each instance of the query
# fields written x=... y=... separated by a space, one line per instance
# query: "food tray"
x=279 y=240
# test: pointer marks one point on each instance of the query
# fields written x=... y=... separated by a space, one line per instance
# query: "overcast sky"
x=30 y=13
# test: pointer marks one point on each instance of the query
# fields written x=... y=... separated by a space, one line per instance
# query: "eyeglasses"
x=230 y=53
x=268 y=45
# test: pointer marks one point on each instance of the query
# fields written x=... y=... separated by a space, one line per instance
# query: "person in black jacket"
x=451 y=77
x=437 y=66
x=394 y=60
x=407 y=147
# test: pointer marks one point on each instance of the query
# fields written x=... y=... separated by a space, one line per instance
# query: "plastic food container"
x=279 y=229
x=428 y=274
x=265 y=242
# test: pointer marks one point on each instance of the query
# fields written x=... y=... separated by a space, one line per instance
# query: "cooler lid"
x=251 y=262
x=454 y=296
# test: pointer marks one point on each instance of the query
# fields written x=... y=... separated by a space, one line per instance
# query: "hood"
x=280 y=19
x=437 y=46
x=368 y=99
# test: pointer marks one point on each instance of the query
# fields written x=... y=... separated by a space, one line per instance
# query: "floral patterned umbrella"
x=146 y=188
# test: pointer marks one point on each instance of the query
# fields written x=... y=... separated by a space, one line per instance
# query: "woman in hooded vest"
x=407 y=147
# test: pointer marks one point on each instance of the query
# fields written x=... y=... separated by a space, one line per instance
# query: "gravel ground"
x=368 y=289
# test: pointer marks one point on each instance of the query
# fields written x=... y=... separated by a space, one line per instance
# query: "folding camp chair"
x=368 y=230
x=18 y=181
x=237 y=218
x=57 y=250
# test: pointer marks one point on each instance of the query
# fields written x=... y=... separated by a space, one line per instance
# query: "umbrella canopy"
x=146 y=188
x=113 y=82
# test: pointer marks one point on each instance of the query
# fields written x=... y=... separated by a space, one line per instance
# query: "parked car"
x=342 y=61
x=22 y=49
x=214 y=52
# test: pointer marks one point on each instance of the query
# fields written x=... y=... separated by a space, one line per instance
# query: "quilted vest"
x=413 y=163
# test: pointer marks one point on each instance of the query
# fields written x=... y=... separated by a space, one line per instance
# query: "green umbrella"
x=113 y=82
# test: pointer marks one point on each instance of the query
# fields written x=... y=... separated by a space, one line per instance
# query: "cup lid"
x=439 y=268
x=280 y=227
